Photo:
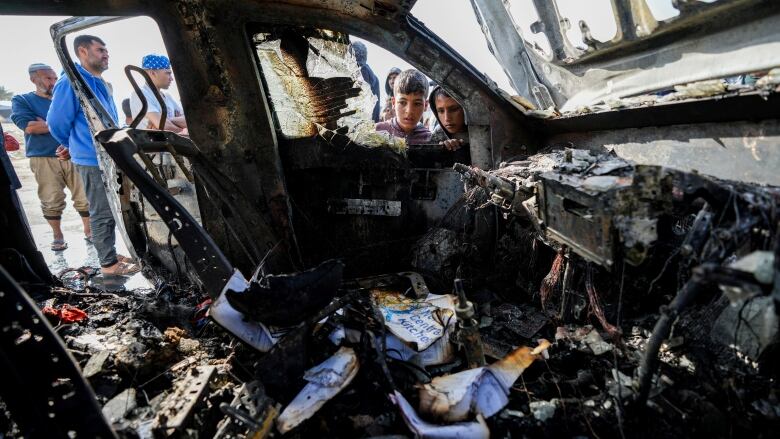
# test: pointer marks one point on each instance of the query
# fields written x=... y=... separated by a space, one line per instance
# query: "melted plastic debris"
x=695 y=90
x=543 y=410
x=366 y=135
x=426 y=430
x=254 y=333
x=584 y=339
x=326 y=380
x=700 y=89
x=482 y=391
x=770 y=80
x=634 y=101
x=547 y=113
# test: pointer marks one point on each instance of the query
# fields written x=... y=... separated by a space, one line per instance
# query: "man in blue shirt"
x=28 y=112
x=68 y=124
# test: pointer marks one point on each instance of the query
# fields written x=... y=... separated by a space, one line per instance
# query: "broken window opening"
x=316 y=88
x=524 y=16
x=596 y=20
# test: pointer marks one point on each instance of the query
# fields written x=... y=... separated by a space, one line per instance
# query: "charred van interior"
x=595 y=261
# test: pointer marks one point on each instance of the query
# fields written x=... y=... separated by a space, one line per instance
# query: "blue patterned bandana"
x=155 y=62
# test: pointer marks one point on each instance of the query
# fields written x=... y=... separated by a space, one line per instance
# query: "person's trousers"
x=100 y=217
x=53 y=176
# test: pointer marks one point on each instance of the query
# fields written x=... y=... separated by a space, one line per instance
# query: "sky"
x=130 y=39
x=127 y=42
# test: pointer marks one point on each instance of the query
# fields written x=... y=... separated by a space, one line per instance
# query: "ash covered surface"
x=582 y=321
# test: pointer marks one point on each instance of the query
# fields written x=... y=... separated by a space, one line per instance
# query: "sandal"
x=125 y=259
x=59 y=245
x=88 y=238
x=122 y=269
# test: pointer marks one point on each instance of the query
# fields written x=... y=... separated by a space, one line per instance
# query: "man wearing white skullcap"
x=53 y=175
x=159 y=69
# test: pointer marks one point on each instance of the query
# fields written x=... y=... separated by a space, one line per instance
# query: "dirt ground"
x=79 y=252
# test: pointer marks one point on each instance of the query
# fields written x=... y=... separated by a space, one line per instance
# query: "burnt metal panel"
x=568 y=212
x=705 y=41
x=210 y=265
x=220 y=88
x=741 y=151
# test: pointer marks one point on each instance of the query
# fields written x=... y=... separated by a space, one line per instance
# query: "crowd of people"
x=61 y=149
x=404 y=111
x=408 y=101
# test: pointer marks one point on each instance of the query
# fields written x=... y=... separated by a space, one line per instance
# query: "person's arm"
x=452 y=144
x=153 y=111
x=154 y=122
x=37 y=126
x=179 y=121
x=62 y=112
x=25 y=118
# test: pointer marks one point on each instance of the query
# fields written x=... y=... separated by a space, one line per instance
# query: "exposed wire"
x=549 y=281
x=595 y=305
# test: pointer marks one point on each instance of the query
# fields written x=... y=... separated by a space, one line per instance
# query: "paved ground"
x=79 y=253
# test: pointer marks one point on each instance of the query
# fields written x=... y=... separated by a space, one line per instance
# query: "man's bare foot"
x=120 y=269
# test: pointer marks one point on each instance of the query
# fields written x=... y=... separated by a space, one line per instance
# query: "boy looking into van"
x=451 y=131
x=409 y=102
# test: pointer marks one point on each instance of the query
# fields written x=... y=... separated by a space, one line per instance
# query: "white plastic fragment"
x=619 y=385
x=95 y=364
x=254 y=333
x=120 y=405
x=325 y=381
x=425 y=430
x=338 y=335
x=482 y=391
x=543 y=410
x=584 y=339
x=597 y=344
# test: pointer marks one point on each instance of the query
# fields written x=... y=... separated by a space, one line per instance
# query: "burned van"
x=599 y=257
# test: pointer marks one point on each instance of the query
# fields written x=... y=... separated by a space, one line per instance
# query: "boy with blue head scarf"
x=159 y=69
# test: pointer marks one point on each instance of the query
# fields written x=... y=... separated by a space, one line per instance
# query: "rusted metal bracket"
x=176 y=410
x=250 y=408
x=163 y=116
x=210 y=264
x=140 y=94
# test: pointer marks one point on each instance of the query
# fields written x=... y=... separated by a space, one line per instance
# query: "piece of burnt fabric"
x=288 y=299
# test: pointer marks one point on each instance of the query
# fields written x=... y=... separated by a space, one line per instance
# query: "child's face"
x=391 y=80
x=409 y=109
x=450 y=114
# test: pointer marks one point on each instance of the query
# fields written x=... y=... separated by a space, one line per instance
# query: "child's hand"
x=452 y=144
